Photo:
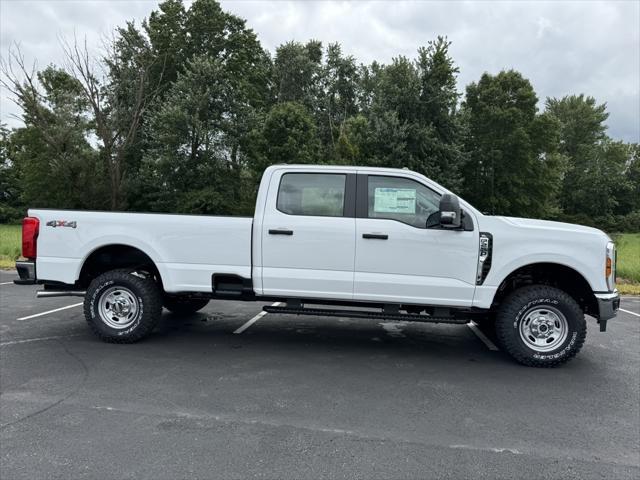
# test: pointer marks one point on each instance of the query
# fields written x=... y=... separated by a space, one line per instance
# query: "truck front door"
x=399 y=260
x=308 y=234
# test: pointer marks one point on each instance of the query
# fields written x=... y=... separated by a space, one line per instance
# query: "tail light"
x=30 y=230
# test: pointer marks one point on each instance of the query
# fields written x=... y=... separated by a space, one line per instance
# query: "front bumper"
x=27 y=272
x=608 y=306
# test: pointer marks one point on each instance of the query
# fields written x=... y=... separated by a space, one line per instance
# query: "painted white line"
x=49 y=311
x=487 y=449
x=6 y=283
x=632 y=313
x=474 y=328
x=253 y=320
x=29 y=340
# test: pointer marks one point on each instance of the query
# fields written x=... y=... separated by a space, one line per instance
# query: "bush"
x=10 y=214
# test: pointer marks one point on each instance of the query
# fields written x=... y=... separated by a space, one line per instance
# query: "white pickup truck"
x=328 y=241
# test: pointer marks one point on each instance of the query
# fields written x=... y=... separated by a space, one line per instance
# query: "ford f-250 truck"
x=328 y=241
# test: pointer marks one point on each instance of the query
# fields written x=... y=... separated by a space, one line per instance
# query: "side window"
x=313 y=194
x=401 y=199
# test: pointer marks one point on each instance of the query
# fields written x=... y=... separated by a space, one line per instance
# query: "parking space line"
x=253 y=320
x=6 y=283
x=474 y=328
x=627 y=311
x=49 y=311
x=40 y=339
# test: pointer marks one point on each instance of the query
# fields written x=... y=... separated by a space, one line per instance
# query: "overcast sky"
x=562 y=47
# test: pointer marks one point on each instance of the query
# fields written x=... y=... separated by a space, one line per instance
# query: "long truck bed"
x=185 y=248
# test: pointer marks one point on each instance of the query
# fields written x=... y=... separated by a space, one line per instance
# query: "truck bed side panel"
x=186 y=249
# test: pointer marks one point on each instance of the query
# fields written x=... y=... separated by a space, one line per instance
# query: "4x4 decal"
x=61 y=223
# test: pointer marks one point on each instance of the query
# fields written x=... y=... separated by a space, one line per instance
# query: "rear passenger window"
x=314 y=194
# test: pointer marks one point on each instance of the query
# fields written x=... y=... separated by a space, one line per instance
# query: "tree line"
x=183 y=112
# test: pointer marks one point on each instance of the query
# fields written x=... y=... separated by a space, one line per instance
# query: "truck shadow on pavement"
x=289 y=335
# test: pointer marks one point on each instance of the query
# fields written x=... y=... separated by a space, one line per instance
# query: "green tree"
x=288 y=135
x=438 y=110
x=51 y=155
x=410 y=107
x=325 y=83
x=297 y=72
x=601 y=186
x=167 y=35
x=118 y=93
x=207 y=130
x=11 y=206
x=582 y=134
x=632 y=174
x=337 y=97
x=354 y=142
x=193 y=141
x=513 y=165
x=130 y=90
x=217 y=34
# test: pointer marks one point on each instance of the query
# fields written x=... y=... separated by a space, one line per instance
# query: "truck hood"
x=550 y=225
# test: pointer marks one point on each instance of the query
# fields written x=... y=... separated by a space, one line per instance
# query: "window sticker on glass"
x=394 y=200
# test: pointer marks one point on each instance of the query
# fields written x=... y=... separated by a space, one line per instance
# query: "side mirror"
x=450 y=213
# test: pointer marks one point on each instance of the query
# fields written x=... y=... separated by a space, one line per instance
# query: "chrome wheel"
x=118 y=307
x=544 y=329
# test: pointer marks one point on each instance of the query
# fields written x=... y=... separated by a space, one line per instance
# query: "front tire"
x=122 y=307
x=541 y=326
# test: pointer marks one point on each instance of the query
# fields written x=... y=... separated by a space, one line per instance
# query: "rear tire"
x=540 y=326
x=183 y=304
x=121 y=307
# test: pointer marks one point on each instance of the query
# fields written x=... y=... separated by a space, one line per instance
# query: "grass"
x=10 y=245
x=628 y=245
x=628 y=288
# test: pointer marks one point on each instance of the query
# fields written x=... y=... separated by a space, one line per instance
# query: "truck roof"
x=312 y=166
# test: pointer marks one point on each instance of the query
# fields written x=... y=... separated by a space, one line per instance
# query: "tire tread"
x=148 y=289
x=509 y=309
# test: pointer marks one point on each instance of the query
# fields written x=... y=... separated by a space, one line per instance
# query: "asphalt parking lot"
x=305 y=397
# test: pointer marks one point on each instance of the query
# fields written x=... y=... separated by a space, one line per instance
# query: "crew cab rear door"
x=398 y=259
x=308 y=234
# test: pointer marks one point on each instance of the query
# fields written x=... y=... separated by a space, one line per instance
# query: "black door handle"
x=375 y=236
x=280 y=232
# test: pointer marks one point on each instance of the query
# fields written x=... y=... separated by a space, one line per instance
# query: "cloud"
x=562 y=47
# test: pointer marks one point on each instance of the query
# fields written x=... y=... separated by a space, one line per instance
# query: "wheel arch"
x=553 y=274
x=113 y=256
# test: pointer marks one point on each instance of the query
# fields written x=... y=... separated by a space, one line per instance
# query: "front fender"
x=497 y=275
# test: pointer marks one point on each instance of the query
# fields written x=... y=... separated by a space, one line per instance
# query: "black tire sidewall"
x=145 y=317
x=516 y=309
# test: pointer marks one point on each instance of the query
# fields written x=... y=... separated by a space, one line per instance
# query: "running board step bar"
x=326 y=312
x=61 y=293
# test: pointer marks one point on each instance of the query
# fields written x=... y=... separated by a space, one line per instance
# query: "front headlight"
x=610 y=266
